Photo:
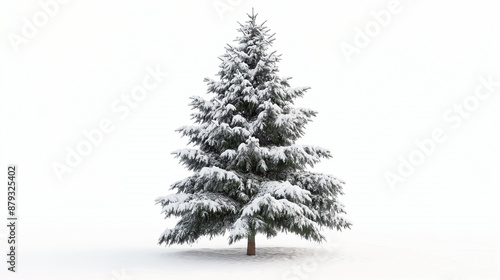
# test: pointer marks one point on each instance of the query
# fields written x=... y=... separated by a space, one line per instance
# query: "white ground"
x=350 y=255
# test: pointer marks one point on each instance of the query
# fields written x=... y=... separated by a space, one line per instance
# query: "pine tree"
x=249 y=176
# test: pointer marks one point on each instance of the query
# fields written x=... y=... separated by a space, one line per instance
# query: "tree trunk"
x=251 y=245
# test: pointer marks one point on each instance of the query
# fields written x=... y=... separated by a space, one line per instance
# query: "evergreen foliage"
x=249 y=176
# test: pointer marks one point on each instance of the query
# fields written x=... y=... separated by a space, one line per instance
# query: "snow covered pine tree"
x=249 y=175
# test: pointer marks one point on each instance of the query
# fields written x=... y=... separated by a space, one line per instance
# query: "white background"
x=442 y=222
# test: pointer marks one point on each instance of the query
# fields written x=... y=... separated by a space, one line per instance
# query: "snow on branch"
x=181 y=204
x=286 y=190
x=295 y=154
x=219 y=174
x=296 y=92
x=317 y=183
x=213 y=133
x=274 y=206
x=295 y=119
x=194 y=159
